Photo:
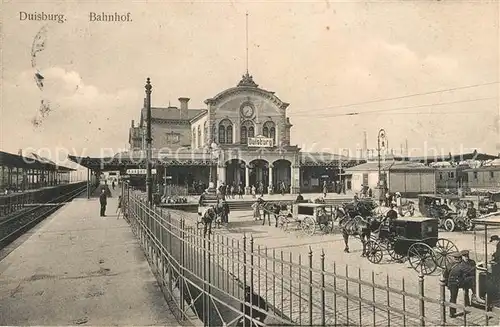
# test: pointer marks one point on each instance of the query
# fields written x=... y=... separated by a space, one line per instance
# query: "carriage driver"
x=469 y=276
x=390 y=216
x=496 y=254
x=454 y=278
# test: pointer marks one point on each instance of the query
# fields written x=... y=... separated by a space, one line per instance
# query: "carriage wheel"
x=374 y=251
x=397 y=257
x=449 y=225
x=443 y=250
x=308 y=226
x=283 y=222
x=422 y=258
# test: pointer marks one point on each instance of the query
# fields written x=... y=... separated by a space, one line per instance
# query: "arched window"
x=269 y=130
x=243 y=138
x=226 y=132
x=247 y=130
x=229 y=134
x=194 y=138
x=200 y=140
x=251 y=131
x=222 y=134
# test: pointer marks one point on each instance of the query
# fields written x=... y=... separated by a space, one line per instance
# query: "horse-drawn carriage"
x=414 y=239
x=309 y=217
x=451 y=211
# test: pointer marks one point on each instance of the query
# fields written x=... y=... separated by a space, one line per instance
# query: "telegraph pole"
x=149 y=179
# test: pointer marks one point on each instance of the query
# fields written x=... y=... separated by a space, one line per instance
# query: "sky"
x=322 y=57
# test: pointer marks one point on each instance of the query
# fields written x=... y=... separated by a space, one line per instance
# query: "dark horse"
x=352 y=223
x=269 y=209
x=209 y=215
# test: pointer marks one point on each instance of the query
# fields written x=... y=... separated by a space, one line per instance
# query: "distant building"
x=484 y=178
x=409 y=179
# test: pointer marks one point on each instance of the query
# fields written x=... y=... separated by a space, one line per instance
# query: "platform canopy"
x=137 y=160
x=327 y=159
x=16 y=161
x=449 y=157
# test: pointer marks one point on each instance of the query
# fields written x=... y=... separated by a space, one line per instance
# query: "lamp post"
x=381 y=144
x=214 y=148
x=149 y=179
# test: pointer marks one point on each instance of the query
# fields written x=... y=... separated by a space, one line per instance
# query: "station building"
x=241 y=137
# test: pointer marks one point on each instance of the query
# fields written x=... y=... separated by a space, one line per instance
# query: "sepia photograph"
x=242 y=163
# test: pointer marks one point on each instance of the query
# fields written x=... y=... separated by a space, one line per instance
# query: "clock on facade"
x=247 y=111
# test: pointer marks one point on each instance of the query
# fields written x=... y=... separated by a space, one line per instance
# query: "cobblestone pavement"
x=287 y=287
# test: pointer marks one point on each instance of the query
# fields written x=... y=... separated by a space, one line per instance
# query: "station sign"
x=260 y=142
x=140 y=171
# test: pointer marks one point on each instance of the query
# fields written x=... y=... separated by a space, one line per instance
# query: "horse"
x=209 y=215
x=352 y=223
x=272 y=208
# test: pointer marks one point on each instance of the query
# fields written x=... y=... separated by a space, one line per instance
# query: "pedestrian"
x=113 y=184
x=225 y=213
x=256 y=210
x=240 y=191
x=119 y=209
x=103 y=200
x=469 y=276
x=370 y=192
x=254 y=194
x=454 y=276
x=325 y=189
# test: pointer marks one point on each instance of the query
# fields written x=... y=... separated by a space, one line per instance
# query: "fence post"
x=181 y=267
x=442 y=285
x=310 y=287
x=251 y=280
x=421 y=300
x=323 y=313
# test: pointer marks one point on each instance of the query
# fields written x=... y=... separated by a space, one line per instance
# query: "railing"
x=204 y=278
x=16 y=201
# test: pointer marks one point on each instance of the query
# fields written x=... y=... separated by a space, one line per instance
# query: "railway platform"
x=77 y=268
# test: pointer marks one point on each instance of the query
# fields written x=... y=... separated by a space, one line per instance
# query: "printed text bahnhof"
x=60 y=18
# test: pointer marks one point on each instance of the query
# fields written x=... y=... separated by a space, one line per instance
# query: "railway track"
x=14 y=225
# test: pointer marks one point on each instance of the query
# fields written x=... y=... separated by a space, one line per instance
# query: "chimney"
x=184 y=107
x=132 y=125
x=20 y=152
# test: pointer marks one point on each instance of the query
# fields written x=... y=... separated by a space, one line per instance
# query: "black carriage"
x=451 y=211
x=414 y=239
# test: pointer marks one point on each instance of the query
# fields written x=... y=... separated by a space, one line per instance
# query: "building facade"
x=485 y=178
x=241 y=138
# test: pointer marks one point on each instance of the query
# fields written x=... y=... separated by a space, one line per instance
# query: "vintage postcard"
x=279 y=162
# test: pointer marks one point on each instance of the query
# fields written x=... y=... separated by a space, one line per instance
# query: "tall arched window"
x=229 y=134
x=200 y=140
x=269 y=130
x=243 y=136
x=247 y=130
x=226 y=132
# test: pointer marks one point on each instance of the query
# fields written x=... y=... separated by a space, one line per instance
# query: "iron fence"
x=204 y=278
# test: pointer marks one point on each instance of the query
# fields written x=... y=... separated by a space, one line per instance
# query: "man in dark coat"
x=103 y=200
x=454 y=277
x=469 y=276
x=496 y=254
